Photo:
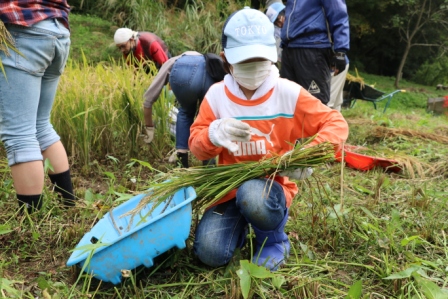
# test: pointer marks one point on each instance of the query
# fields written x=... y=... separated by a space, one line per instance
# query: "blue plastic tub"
x=114 y=244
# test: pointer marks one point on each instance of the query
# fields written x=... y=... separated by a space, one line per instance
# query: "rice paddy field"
x=378 y=233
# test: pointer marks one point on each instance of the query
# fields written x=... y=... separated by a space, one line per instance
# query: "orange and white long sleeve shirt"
x=283 y=114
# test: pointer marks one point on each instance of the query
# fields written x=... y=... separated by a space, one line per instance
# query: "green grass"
x=386 y=230
x=354 y=234
x=92 y=37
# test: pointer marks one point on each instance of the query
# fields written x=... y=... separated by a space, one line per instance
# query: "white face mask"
x=252 y=74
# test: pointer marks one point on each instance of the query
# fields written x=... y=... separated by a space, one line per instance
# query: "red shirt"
x=29 y=12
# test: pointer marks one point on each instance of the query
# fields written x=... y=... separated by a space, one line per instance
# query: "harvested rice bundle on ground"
x=382 y=132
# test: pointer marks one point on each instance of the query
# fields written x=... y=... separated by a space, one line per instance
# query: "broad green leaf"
x=338 y=211
x=89 y=196
x=8 y=286
x=144 y=163
x=278 y=281
x=245 y=279
x=258 y=271
x=370 y=226
x=355 y=291
x=363 y=190
x=368 y=213
x=307 y=251
x=406 y=241
x=115 y=160
x=90 y=247
x=123 y=197
x=109 y=175
x=35 y=235
x=430 y=289
x=5 y=229
x=47 y=165
x=405 y=273
x=429 y=263
x=43 y=283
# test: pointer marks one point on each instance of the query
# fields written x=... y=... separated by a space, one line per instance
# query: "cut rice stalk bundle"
x=213 y=183
x=350 y=78
x=6 y=40
x=6 y=43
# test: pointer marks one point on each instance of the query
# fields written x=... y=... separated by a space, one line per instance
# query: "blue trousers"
x=189 y=82
x=220 y=231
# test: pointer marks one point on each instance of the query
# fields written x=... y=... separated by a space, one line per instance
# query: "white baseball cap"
x=248 y=33
x=273 y=10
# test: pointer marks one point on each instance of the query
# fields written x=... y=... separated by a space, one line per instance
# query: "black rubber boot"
x=209 y=163
x=63 y=185
x=29 y=202
x=182 y=159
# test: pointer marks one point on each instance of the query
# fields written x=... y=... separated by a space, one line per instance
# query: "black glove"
x=338 y=62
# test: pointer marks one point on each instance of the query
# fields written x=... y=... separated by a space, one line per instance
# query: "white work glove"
x=149 y=131
x=225 y=132
x=298 y=174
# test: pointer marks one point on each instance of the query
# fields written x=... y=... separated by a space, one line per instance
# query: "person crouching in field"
x=250 y=115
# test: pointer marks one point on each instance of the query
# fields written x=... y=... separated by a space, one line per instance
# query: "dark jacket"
x=306 y=24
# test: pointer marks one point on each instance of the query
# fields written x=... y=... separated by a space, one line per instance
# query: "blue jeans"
x=27 y=93
x=223 y=228
x=189 y=82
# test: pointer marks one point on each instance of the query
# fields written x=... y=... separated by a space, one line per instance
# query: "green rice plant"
x=164 y=140
x=98 y=109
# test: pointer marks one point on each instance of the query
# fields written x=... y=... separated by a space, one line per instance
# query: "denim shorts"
x=28 y=91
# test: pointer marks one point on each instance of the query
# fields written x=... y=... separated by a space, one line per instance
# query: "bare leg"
x=58 y=157
x=28 y=177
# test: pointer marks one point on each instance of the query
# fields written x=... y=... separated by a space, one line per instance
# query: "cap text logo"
x=250 y=30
